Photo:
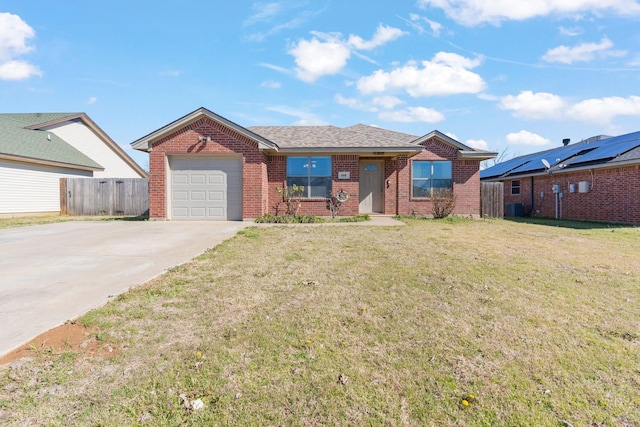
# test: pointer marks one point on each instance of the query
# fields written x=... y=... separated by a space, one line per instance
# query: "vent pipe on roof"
x=566 y=141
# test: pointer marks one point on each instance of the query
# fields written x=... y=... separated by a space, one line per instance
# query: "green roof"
x=20 y=137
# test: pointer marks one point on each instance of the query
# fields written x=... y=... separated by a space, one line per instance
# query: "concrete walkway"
x=57 y=272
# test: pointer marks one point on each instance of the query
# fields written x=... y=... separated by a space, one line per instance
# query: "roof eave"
x=374 y=151
x=476 y=155
x=34 y=160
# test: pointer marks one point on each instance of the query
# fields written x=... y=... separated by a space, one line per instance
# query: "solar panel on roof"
x=553 y=157
x=501 y=168
x=608 y=150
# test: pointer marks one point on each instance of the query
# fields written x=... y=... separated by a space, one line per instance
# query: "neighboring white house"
x=38 y=149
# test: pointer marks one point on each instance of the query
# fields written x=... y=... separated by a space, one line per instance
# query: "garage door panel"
x=217 y=196
x=180 y=178
x=206 y=188
x=198 y=179
x=217 y=178
x=198 y=196
x=180 y=195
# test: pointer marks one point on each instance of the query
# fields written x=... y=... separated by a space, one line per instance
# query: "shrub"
x=442 y=203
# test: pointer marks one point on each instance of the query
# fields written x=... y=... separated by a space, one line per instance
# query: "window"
x=515 y=187
x=311 y=172
x=430 y=176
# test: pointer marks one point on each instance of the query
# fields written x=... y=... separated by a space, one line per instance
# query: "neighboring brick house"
x=203 y=166
x=597 y=179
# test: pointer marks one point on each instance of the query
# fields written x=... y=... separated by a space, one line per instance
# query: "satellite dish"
x=546 y=163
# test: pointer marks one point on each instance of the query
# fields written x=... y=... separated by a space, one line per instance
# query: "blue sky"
x=503 y=75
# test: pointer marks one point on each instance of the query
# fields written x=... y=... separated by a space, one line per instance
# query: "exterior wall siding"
x=224 y=141
x=614 y=195
x=82 y=138
x=31 y=188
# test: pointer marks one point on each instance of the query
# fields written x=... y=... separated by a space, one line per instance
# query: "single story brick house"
x=205 y=167
x=597 y=179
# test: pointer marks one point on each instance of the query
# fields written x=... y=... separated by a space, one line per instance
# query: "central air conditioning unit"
x=583 y=187
x=515 y=210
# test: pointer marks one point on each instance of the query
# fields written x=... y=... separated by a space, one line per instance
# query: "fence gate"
x=492 y=199
x=104 y=196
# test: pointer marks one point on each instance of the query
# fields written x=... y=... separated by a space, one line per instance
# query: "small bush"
x=442 y=203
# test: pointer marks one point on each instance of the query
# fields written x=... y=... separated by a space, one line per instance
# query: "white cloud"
x=415 y=22
x=271 y=84
x=354 y=103
x=529 y=105
x=445 y=74
x=480 y=144
x=274 y=17
x=583 y=52
x=387 y=102
x=525 y=137
x=603 y=110
x=18 y=70
x=474 y=12
x=412 y=115
x=542 y=105
x=263 y=12
x=571 y=32
x=383 y=35
x=92 y=100
x=14 y=35
x=327 y=53
x=323 y=55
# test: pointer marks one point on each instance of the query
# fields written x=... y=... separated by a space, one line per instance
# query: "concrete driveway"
x=53 y=273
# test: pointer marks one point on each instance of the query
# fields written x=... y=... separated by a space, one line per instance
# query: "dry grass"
x=23 y=221
x=325 y=325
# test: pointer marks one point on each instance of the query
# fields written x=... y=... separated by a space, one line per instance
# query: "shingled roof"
x=20 y=139
x=352 y=137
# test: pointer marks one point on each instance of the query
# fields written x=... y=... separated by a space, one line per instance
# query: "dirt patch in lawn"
x=73 y=337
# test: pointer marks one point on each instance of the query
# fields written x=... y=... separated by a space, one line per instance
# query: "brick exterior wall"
x=224 y=141
x=466 y=181
x=262 y=175
x=317 y=206
x=613 y=195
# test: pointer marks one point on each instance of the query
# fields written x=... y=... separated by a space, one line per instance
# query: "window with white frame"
x=429 y=176
x=515 y=187
x=311 y=172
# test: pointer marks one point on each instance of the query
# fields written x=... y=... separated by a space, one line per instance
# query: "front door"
x=371 y=186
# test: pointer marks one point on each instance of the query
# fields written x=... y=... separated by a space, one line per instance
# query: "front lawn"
x=444 y=323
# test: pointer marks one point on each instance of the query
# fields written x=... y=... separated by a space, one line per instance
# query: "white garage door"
x=206 y=188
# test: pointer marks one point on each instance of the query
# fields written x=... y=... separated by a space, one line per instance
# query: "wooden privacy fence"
x=104 y=196
x=492 y=199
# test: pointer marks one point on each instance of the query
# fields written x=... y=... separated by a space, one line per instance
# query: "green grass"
x=330 y=325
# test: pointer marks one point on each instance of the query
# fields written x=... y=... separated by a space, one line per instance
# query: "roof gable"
x=145 y=143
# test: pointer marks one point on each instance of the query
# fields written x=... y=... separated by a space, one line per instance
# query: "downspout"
x=532 y=194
